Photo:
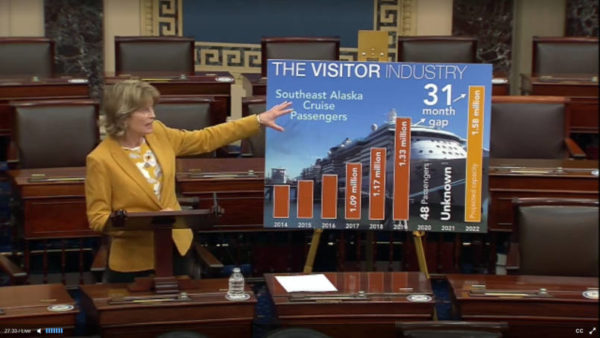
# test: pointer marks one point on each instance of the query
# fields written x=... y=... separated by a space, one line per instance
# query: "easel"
x=420 y=251
x=312 y=251
x=162 y=223
x=372 y=46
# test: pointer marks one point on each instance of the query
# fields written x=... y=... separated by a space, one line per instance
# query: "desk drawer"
x=56 y=218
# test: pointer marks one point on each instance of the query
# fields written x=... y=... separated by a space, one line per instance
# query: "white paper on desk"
x=306 y=283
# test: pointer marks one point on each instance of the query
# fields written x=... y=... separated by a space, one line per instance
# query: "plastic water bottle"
x=236 y=286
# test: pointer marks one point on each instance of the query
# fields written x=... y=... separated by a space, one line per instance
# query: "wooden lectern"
x=162 y=222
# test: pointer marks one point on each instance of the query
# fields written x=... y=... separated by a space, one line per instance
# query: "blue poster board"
x=378 y=146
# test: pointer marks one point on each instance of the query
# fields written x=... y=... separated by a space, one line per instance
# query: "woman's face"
x=140 y=121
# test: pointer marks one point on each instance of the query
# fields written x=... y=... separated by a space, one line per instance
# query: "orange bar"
x=329 y=197
x=305 y=199
x=353 y=190
x=281 y=201
x=473 y=175
x=402 y=169
x=377 y=184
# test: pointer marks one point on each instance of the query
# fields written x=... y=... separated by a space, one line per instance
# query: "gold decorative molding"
x=146 y=17
x=240 y=57
x=408 y=18
x=397 y=17
x=232 y=57
x=348 y=54
x=161 y=17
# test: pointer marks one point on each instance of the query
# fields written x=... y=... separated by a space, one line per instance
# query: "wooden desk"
x=216 y=85
x=557 y=314
x=208 y=312
x=372 y=317
x=62 y=87
x=51 y=209
x=559 y=85
x=500 y=85
x=26 y=306
x=237 y=184
x=509 y=178
x=583 y=114
x=56 y=209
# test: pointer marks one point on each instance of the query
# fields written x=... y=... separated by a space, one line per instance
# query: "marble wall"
x=582 y=18
x=491 y=21
x=76 y=27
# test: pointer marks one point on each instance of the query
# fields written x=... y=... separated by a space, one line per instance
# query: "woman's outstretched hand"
x=268 y=118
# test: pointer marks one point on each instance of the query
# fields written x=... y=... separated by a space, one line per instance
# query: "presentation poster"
x=378 y=146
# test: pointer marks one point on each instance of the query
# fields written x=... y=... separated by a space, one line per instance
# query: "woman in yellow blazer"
x=133 y=169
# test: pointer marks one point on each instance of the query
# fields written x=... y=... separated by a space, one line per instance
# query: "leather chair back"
x=162 y=55
x=557 y=236
x=299 y=48
x=528 y=127
x=26 y=57
x=254 y=146
x=56 y=133
x=189 y=113
x=445 y=49
x=565 y=55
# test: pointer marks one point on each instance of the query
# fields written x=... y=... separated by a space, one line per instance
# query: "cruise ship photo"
x=437 y=167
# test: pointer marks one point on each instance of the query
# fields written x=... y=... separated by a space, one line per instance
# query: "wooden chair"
x=298 y=48
x=568 y=56
x=159 y=55
x=190 y=113
x=451 y=329
x=446 y=49
x=254 y=146
x=187 y=112
x=55 y=133
x=531 y=127
x=26 y=56
x=554 y=236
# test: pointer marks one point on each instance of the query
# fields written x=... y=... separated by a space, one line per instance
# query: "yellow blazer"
x=113 y=182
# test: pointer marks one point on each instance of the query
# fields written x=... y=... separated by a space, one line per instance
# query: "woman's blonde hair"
x=124 y=98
